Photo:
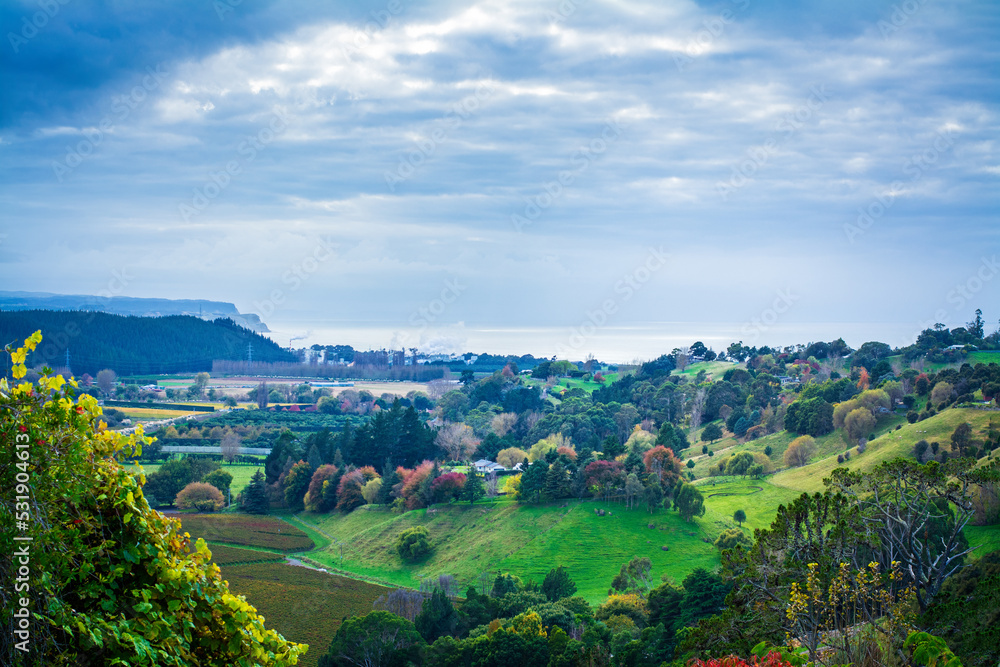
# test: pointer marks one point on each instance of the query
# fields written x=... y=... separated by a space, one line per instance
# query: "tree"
x=504 y=584
x=813 y=416
x=533 y=482
x=437 y=617
x=711 y=433
x=689 y=501
x=961 y=438
x=511 y=456
x=253 y=499
x=296 y=484
x=704 y=595
x=739 y=516
x=557 y=481
x=633 y=490
x=221 y=480
x=403 y=602
x=175 y=474
x=660 y=461
x=681 y=360
x=653 y=495
x=859 y=423
x=603 y=477
x=230 y=446
x=730 y=538
x=492 y=483
x=457 y=441
x=976 y=327
x=413 y=543
x=378 y=639
x=390 y=478
x=942 y=393
x=634 y=576
x=201 y=497
x=473 y=489
x=315 y=500
x=697 y=408
x=740 y=464
x=147 y=596
x=799 y=451
x=503 y=423
x=200 y=383
x=557 y=584
x=371 y=490
x=919 y=513
x=106 y=380
x=349 y=491
x=262 y=395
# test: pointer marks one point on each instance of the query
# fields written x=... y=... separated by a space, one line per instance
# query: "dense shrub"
x=413 y=543
x=200 y=496
x=730 y=538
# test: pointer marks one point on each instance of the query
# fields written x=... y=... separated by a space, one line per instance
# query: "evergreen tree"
x=473 y=489
x=557 y=584
x=437 y=618
x=283 y=448
x=578 y=485
x=533 y=481
x=504 y=584
x=345 y=443
x=253 y=499
x=653 y=494
x=704 y=595
x=557 y=481
x=390 y=478
x=313 y=458
x=612 y=447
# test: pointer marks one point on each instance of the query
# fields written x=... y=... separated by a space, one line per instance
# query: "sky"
x=558 y=177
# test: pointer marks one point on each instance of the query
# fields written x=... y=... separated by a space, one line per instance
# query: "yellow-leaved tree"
x=103 y=578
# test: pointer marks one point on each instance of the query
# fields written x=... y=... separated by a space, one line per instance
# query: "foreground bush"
x=111 y=581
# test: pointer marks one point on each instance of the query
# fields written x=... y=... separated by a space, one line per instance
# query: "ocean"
x=610 y=344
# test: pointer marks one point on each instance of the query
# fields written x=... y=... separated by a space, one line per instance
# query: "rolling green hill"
x=528 y=540
x=885 y=447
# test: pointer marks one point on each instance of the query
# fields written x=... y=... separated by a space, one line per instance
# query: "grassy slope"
x=713 y=369
x=887 y=446
x=588 y=386
x=978 y=357
x=826 y=445
x=529 y=540
x=895 y=444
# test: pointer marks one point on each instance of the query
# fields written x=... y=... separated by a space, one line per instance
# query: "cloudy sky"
x=588 y=168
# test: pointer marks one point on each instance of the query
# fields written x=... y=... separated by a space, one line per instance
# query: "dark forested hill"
x=134 y=345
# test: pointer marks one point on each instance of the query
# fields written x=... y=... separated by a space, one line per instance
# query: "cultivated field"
x=262 y=532
x=223 y=555
x=304 y=605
